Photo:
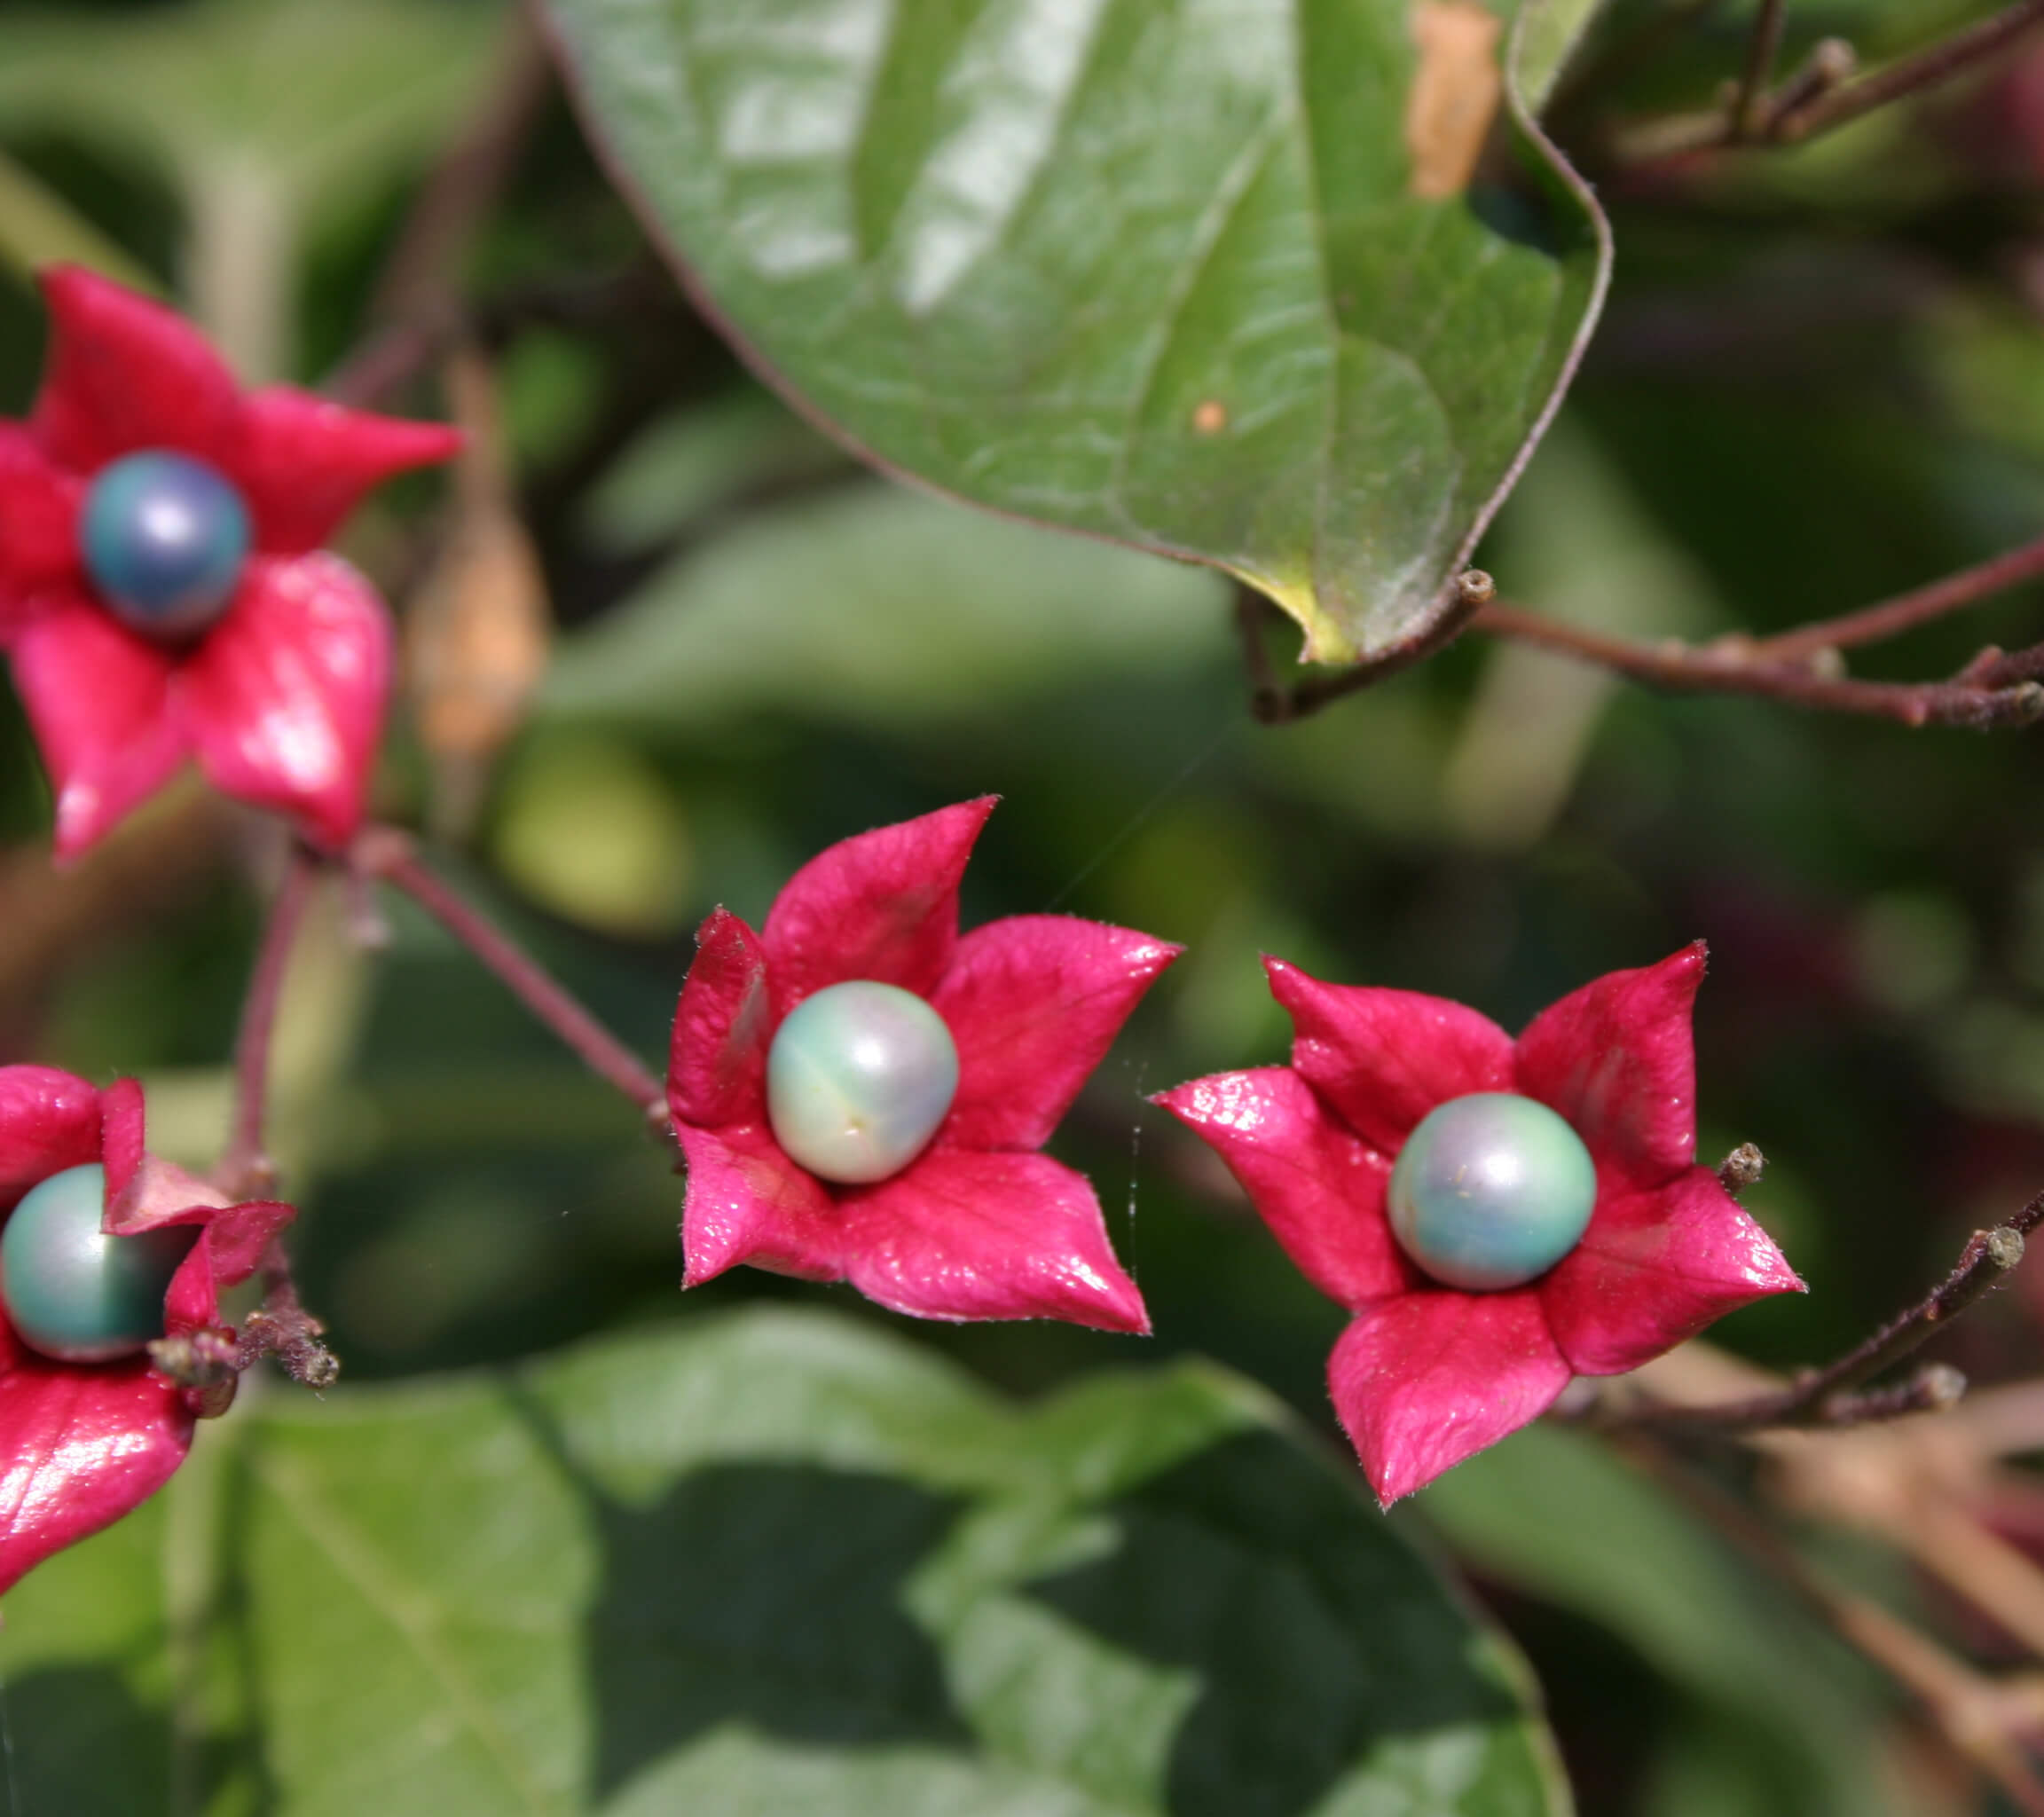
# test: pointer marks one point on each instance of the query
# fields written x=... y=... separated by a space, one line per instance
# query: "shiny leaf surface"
x=1227 y=283
x=765 y=1564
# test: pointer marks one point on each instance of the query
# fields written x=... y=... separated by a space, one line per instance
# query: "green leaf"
x=761 y=1564
x=314 y=96
x=872 y=606
x=1161 y=273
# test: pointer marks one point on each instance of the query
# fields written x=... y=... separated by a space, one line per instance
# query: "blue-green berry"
x=1491 y=1191
x=858 y=1079
x=163 y=537
x=73 y=1292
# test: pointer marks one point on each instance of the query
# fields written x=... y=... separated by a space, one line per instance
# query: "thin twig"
x=1748 y=110
x=1819 y=98
x=417 y=299
x=1973 y=1714
x=1823 y=1396
x=1906 y=611
x=1728 y=670
x=246 y=1170
x=422 y=275
x=1936 y=63
x=1976 y=1716
x=384 y=853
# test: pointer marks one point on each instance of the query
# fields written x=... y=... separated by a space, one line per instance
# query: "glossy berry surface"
x=858 y=1079
x=73 y=1292
x=1491 y=1191
x=163 y=537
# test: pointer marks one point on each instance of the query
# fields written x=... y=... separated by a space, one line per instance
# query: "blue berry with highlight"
x=164 y=538
x=1491 y=1191
x=73 y=1292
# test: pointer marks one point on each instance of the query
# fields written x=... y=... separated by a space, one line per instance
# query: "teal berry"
x=163 y=537
x=858 y=1079
x=1491 y=1191
x=73 y=1292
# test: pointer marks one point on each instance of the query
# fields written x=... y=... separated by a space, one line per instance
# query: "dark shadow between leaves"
x=80 y=1743
x=1247 y=1567
x=766 y=1594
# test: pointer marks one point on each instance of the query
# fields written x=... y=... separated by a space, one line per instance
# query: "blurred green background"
x=1820 y=381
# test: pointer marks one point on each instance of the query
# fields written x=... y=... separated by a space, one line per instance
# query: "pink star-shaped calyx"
x=281 y=701
x=978 y=1224
x=1426 y=1374
x=82 y=1444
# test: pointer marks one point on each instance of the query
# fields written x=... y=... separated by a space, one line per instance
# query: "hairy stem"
x=389 y=854
x=1730 y=669
x=246 y=1170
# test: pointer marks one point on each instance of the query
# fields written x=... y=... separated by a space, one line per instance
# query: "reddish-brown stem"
x=386 y=854
x=1819 y=97
x=1934 y=63
x=1976 y=1717
x=1891 y=617
x=419 y=278
x=1729 y=670
x=1749 y=104
x=417 y=295
x=1825 y=1397
x=246 y=1170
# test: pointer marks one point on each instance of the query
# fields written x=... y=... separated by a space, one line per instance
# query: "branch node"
x=1940 y=1386
x=1474 y=587
x=2004 y=1247
x=1741 y=1168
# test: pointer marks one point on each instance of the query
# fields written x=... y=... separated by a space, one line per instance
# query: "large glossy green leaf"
x=766 y=1564
x=1162 y=271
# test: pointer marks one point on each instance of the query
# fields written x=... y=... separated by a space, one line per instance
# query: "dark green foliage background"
x=1818 y=384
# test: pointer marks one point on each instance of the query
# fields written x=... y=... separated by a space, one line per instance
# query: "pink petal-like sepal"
x=1429 y=1374
x=1618 y=1059
x=1656 y=1268
x=82 y=1444
x=98 y=698
x=1383 y=1059
x=717 y=1062
x=1317 y=1183
x=38 y=521
x=282 y=699
x=127 y=374
x=283 y=702
x=123 y=1148
x=747 y=1202
x=961 y=1235
x=883 y=905
x=79 y=1448
x=1034 y=1002
x=304 y=462
x=49 y=1120
x=1424 y=1380
x=976 y=1225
